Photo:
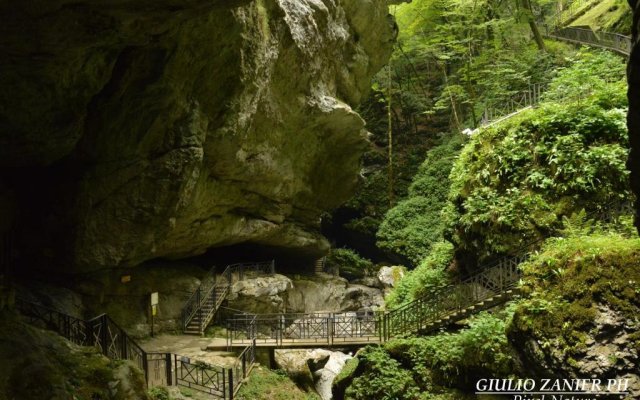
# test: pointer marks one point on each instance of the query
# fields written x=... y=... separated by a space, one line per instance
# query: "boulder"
x=390 y=276
x=312 y=369
x=331 y=293
x=261 y=295
x=300 y=364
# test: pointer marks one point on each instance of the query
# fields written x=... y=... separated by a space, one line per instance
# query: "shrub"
x=514 y=183
x=382 y=378
x=159 y=393
x=415 y=224
x=350 y=264
x=451 y=359
x=430 y=274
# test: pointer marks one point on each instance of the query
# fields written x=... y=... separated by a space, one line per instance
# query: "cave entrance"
x=288 y=261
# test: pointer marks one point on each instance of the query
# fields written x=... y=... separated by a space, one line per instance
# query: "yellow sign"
x=154 y=310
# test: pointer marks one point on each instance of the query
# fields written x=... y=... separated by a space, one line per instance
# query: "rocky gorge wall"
x=134 y=130
x=633 y=121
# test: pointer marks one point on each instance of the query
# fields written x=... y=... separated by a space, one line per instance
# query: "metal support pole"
x=167 y=366
x=230 y=384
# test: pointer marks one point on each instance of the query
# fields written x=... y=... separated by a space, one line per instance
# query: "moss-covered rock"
x=264 y=384
x=40 y=364
x=581 y=318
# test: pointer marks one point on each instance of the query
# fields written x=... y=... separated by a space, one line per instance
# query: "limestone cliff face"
x=634 y=107
x=162 y=128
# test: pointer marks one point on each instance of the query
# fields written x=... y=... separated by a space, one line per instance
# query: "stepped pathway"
x=319 y=266
x=556 y=28
x=487 y=288
x=201 y=307
x=490 y=286
x=161 y=366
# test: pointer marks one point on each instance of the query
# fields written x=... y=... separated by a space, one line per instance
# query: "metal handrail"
x=217 y=291
x=491 y=284
x=616 y=42
x=570 y=13
x=113 y=342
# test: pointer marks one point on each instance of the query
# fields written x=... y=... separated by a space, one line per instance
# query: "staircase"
x=202 y=305
x=320 y=265
x=492 y=285
x=208 y=307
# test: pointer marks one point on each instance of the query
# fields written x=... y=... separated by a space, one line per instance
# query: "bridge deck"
x=222 y=344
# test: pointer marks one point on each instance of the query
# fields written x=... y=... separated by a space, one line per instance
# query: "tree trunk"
x=526 y=4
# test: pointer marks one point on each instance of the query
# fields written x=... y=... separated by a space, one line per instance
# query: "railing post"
x=175 y=368
x=167 y=366
x=123 y=348
x=103 y=335
x=244 y=365
x=230 y=374
x=200 y=322
x=331 y=320
x=145 y=368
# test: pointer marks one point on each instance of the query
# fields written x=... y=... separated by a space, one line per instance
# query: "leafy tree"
x=513 y=183
x=414 y=224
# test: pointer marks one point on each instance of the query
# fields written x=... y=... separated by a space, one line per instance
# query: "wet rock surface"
x=312 y=369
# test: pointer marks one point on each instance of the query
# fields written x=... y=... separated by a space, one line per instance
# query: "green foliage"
x=430 y=275
x=159 y=393
x=264 y=384
x=513 y=183
x=435 y=364
x=452 y=60
x=608 y=16
x=414 y=224
x=350 y=264
x=569 y=282
x=447 y=359
x=482 y=49
x=590 y=72
x=382 y=378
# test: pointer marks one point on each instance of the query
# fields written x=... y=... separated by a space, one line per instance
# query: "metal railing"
x=424 y=313
x=320 y=328
x=572 y=12
x=160 y=369
x=514 y=105
x=100 y=332
x=200 y=308
x=615 y=42
x=492 y=284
